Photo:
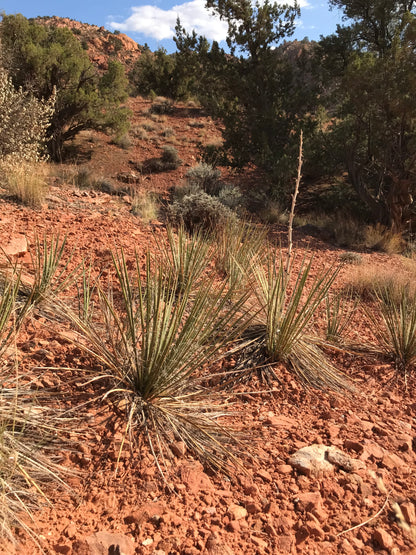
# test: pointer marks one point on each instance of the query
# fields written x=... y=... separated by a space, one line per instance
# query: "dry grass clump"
x=380 y=238
x=144 y=204
x=27 y=431
x=238 y=247
x=340 y=309
x=364 y=280
x=27 y=182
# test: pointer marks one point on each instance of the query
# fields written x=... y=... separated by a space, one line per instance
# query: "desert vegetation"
x=170 y=311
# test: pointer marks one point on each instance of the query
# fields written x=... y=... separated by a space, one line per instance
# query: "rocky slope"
x=100 y=43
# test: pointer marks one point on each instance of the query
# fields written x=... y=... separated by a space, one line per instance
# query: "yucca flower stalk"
x=288 y=302
x=153 y=346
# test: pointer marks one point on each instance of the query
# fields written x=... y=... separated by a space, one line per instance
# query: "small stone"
x=372 y=449
x=285 y=543
x=259 y=542
x=344 y=461
x=284 y=469
x=236 y=512
x=178 y=448
x=147 y=542
x=308 y=501
x=253 y=508
x=314 y=527
x=408 y=510
x=383 y=539
x=354 y=445
x=393 y=461
x=71 y=530
x=264 y=475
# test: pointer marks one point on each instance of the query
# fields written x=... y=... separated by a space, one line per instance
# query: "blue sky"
x=153 y=21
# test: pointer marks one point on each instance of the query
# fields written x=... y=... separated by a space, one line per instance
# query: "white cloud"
x=160 y=24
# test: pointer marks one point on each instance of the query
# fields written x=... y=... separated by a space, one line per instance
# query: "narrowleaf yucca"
x=288 y=302
x=28 y=466
x=186 y=256
x=396 y=331
x=50 y=276
x=153 y=346
x=340 y=310
x=9 y=287
x=238 y=246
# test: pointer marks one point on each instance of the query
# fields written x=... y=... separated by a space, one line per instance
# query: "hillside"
x=101 y=45
x=270 y=505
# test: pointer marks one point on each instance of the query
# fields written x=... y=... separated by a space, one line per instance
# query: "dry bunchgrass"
x=380 y=238
x=145 y=205
x=365 y=279
x=27 y=182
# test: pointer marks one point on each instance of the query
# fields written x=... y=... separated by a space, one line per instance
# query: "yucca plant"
x=238 y=246
x=27 y=466
x=288 y=302
x=9 y=287
x=340 y=309
x=153 y=346
x=396 y=331
x=186 y=257
x=50 y=275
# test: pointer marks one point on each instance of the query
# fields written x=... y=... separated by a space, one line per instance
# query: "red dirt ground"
x=273 y=509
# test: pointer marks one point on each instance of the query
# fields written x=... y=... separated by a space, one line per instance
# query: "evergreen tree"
x=42 y=59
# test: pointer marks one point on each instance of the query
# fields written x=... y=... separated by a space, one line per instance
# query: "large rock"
x=318 y=460
x=17 y=246
x=106 y=543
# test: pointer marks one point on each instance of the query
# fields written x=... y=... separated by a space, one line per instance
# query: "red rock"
x=408 y=510
x=17 y=246
x=308 y=501
x=383 y=539
x=314 y=527
x=372 y=449
x=236 y=512
x=281 y=421
x=102 y=543
x=253 y=508
x=262 y=544
x=284 y=469
x=312 y=460
x=393 y=461
x=285 y=543
x=264 y=475
x=354 y=445
x=194 y=478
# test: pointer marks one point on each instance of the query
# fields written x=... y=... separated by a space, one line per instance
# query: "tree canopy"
x=42 y=59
